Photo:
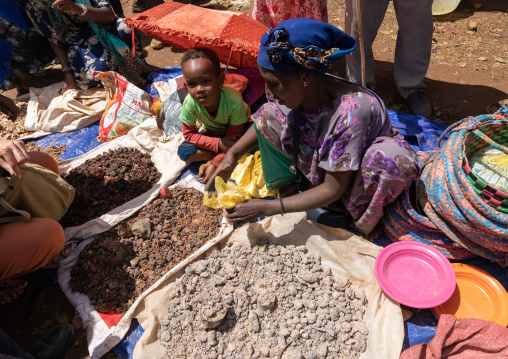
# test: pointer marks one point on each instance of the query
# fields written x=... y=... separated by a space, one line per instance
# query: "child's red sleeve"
x=218 y=159
x=235 y=131
x=192 y=135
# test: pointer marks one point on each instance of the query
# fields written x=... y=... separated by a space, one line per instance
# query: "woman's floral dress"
x=352 y=133
x=85 y=52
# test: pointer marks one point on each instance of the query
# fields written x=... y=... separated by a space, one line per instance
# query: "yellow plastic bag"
x=228 y=195
x=248 y=176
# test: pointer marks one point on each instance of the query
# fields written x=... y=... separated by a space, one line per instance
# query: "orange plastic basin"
x=478 y=295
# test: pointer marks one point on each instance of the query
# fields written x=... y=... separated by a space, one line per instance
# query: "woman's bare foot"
x=12 y=291
x=373 y=235
x=69 y=84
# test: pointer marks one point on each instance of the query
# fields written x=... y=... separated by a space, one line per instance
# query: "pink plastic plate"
x=415 y=274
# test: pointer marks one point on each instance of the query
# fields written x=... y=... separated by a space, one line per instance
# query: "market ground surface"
x=468 y=71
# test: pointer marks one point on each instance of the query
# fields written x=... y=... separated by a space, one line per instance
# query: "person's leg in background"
x=413 y=51
x=372 y=13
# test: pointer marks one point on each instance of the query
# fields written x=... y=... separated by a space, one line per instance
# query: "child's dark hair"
x=202 y=53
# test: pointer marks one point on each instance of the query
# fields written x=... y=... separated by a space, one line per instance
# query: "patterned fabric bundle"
x=457 y=221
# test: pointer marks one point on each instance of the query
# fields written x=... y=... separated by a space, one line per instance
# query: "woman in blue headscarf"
x=332 y=137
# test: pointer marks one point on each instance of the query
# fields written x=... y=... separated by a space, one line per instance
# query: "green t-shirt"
x=232 y=111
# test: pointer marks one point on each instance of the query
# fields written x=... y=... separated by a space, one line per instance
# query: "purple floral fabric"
x=352 y=133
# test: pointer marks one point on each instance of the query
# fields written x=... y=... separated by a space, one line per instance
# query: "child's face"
x=203 y=83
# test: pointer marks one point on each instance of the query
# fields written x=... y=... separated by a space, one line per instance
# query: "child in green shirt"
x=212 y=116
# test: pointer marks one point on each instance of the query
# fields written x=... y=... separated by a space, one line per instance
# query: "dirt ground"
x=468 y=71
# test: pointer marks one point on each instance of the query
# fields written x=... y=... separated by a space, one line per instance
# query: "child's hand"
x=226 y=143
x=206 y=171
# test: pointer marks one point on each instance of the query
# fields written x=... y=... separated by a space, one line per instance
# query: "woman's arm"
x=246 y=143
x=329 y=191
x=69 y=80
x=103 y=15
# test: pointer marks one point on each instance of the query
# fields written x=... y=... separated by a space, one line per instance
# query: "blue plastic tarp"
x=78 y=142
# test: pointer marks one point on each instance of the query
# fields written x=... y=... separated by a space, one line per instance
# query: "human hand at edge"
x=8 y=107
x=13 y=155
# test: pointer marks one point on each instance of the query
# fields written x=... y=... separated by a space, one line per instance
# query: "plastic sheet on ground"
x=77 y=143
x=422 y=134
x=102 y=337
x=345 y=253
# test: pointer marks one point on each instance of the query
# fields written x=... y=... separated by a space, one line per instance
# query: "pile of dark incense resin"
x=113 y=271
x=106 y=182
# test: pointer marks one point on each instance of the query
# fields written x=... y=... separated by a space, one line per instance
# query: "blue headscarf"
x=303 y=44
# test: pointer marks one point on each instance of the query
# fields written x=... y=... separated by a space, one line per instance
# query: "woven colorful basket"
x=495 y=135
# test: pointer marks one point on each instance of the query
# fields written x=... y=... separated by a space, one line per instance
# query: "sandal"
x=13 y=296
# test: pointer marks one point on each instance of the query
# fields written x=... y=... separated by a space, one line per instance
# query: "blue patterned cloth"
x=21 y=48
x=85 y=52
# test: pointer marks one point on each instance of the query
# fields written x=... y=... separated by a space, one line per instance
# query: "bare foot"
x=67 y=87
x=372 y=236
x=14 y=289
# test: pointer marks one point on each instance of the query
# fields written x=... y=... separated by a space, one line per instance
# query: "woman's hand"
x=12 y=155
x=68 y=6
x=8 y=107
x=252 y=210
x=69 y=84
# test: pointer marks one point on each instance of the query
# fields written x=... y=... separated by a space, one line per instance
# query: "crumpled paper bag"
x=49 y=112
